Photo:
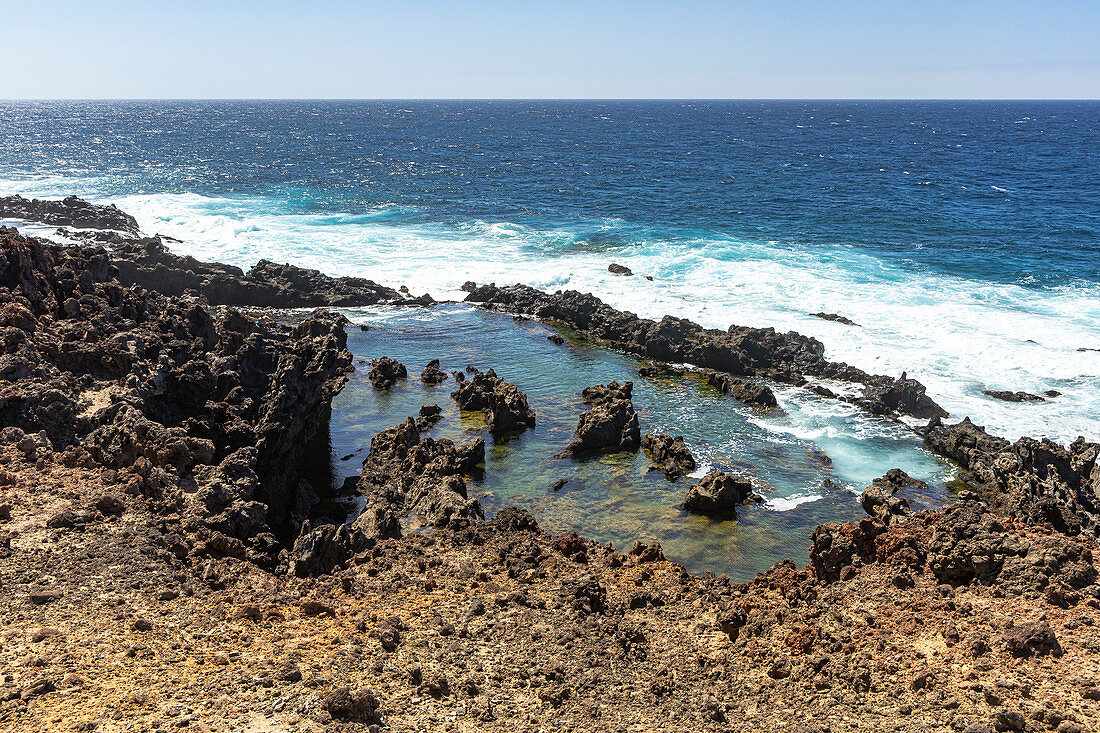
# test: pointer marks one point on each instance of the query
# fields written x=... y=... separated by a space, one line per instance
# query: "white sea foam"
x=786 y=503
x=957 y=336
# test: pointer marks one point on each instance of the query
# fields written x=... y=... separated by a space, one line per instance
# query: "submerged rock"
x=669 y=454
x=751 y=393
x=717 y=495
x=610 y=425
x=1007 y=396
x=835 y=317
x=385 y=372
x=505 y=407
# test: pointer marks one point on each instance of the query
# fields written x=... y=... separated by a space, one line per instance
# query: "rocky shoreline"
x=166 y=563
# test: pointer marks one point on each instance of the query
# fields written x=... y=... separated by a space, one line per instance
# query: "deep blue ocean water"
x=962 y=237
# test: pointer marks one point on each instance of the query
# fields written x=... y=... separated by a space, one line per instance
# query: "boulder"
x=669 y=454
x=611 y=424
x=751 y=393
x=505 y=407
x=432 y=374
x=880 y=499
x=385 y=372
x=717 y=495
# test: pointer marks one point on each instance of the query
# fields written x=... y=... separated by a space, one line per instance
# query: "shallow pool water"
x=809 y=459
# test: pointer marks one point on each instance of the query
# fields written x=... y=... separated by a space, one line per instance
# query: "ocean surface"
x=962 y=237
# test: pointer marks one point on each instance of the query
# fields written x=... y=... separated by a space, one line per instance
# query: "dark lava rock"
x=1036 y=639
x=1007 y=396
x=405 y=474
x=360 y=706
x=148 y=263
x=318 y=550
x=610 y=425
x=432 y=374
x=70 y=211
x=1038 y=481
x=834 y=317
x=670 y=454
x=505 y=407
x=717 y=495
x=750 y=393
x=554 y=338
x=880 y=499
x=469 y=286
x=738 y=350
x=227 y=405
x=428 y=416
x=385 y=372
x=514 y=519
x=617 y=269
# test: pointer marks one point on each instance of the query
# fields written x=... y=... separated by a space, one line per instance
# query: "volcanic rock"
x=880 y=499
x=739 y=350
x=617 y=269
x=432 y=374
x=750 y=393
x=385 y=372
x=70 y=211
x=669 y=454
x=505 y=407
x=1007 y=396
x=611 y=424
x=717 y=495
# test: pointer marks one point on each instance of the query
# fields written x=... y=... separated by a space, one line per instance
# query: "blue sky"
x=518 y=48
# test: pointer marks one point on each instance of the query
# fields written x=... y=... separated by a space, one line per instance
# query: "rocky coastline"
x=167 y=560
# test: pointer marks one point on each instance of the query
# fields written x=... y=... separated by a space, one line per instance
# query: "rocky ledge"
x=739 y=350
x=70 y=211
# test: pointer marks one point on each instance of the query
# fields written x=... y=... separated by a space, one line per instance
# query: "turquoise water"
x=790 y=454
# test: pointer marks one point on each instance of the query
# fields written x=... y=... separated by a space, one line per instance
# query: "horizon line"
x=549 y=99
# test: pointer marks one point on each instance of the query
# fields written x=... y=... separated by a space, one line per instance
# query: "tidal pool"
x=809 y=459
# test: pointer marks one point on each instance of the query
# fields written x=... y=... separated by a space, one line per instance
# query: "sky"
x=526 y=49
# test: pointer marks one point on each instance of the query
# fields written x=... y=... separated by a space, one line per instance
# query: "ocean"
x=962 y=237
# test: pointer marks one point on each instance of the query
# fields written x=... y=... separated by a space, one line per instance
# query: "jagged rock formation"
x=148 y=263
x=739 y=350
x=212 y=416
x=880 y=499
x=718 y=495
x=751 y=393
x=385 y=372
x=611 y=424
x=1036 y=480
x=836 y=318
x=671 y=455
x=432 y=374
x=505 y=407
x=69 y=211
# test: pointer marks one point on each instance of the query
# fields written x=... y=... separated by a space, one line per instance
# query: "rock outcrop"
x=505 y=407
x=880 y=499
x=148 y=262
x=751 y=393
x=432 y=374
x=213 y=415
x=669 y=454
x=1037 y=481
x=739 y=350
x=718 y=495
x=69 y=211
x=406 y=474
x=385 y=372
x=611 y=424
